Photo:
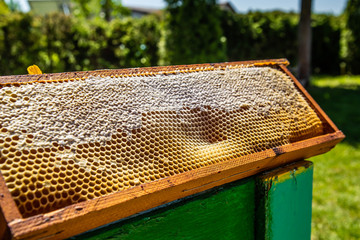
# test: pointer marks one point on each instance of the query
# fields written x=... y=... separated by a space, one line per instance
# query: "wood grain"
x=19 y=79
x=284 y=196
x=84 y=216
x=226 y=212
x=8 y=209
x=81 y=217
x=329 y=125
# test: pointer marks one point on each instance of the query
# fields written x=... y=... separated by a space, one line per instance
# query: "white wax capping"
x=92 y=110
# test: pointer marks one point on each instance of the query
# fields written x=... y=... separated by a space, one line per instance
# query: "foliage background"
x=185 y=32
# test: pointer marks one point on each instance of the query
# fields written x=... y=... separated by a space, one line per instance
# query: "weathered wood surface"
x=133 y=71
x=81 y=217
x=273 y=205
x=8 y=210
x=284 y=198
x=87 y=215
x=327 y=122
x=221 y=213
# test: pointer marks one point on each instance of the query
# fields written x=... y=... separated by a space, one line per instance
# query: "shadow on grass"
x=342 y=105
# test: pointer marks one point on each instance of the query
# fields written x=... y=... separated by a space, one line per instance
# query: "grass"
x=336 y=194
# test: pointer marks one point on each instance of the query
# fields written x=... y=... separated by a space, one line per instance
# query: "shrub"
x=20 y=38
x=260 y=35
x=352 y=36
x=326 y=33
x=194 y=33
x=59 y=43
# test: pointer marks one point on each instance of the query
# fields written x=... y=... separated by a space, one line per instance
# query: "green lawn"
x=336 y=196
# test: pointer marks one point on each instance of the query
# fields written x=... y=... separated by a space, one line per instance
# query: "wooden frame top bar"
x=19 y=79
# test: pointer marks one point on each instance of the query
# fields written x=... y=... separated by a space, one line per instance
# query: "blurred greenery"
x=336 y=194
x=3 y=7
x=185 y=32
x=264 y=35
x=106 y=9
x=326 y=44
x=194 y=32
x=58 y=43
x=352 y=35
x=261 y=35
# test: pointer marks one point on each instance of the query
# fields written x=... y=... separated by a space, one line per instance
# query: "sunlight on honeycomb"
x=71 y=141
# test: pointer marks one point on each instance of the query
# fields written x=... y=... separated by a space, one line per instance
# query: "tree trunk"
x=107 y=8
x=305 y=42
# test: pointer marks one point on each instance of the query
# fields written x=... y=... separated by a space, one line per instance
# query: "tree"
x=3 y=7
x=11 y=5
x=305 y=43
x=352 y=13
x=106 y=9
x=194 y=33
x=112 y=8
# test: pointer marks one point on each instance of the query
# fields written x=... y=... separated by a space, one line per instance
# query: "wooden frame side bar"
x=311 y=101
x=8 y=210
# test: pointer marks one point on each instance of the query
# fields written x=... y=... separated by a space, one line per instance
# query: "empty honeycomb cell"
x=81 y=139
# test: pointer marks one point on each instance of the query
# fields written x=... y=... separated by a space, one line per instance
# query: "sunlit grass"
x=336 y=196
x=339 y=81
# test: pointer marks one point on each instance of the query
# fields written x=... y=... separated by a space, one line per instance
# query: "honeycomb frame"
x=141 y=196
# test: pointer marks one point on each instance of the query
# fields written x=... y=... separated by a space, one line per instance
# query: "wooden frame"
x=253 y=208
x=84 y=216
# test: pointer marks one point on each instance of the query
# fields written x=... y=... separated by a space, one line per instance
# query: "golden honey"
x=69 y=141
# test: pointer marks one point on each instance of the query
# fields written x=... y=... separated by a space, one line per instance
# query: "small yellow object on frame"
x=34 y=69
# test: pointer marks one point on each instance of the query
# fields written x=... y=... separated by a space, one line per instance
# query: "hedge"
x=262 y=35
x=59 y=43
x=352 y=36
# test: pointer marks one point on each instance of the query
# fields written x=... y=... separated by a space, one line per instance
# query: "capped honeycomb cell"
x=65 y=142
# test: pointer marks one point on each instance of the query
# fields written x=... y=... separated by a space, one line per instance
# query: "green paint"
x=284 y=204
x=274 y=205
x=226 y=212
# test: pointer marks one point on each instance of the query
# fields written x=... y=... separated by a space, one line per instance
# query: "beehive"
x=77 y=138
